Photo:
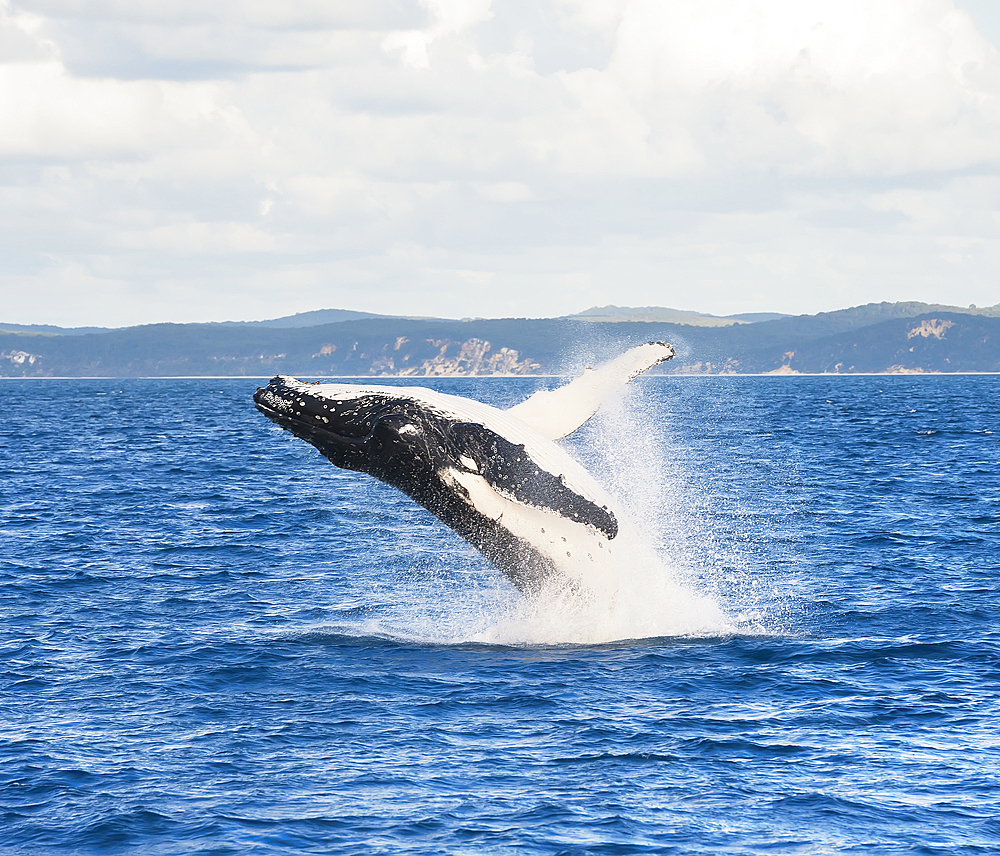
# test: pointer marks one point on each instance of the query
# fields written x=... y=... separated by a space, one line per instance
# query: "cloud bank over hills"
x=209 y=160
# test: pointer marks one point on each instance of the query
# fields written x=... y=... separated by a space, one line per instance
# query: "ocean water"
x=213 y=641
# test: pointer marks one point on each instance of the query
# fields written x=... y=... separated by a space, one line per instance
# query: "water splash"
x=652 y=588
x=705 y=551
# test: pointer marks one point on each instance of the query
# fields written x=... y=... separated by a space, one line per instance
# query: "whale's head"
x=366 y=429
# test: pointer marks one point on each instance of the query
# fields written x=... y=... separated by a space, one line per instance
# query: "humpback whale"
x=496 y=477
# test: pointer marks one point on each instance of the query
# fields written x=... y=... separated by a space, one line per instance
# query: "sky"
x=208 y=160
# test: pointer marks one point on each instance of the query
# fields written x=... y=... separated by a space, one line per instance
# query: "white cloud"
x=504 y=191
x=467 y=158
x=450 y=17
x=52 y=115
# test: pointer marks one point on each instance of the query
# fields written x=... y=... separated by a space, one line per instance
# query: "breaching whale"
x=496 y=477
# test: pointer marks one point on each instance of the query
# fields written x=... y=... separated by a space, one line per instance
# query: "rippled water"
x=214 y=641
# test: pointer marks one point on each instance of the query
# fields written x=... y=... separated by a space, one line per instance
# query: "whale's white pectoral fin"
x=558 y=412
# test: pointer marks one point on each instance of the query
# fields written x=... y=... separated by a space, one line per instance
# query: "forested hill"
x=886 y=337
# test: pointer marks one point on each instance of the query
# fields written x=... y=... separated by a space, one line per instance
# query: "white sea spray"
x=650 y=588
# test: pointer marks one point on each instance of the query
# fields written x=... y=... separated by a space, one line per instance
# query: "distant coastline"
x=876 y=339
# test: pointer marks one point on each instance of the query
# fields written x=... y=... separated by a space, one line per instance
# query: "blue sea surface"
x=213 y=641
